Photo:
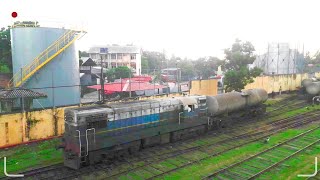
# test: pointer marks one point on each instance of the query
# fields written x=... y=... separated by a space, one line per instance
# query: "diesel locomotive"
x=96 y=133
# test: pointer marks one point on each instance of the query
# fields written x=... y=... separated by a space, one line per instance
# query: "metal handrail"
x=29 y=70
x=94 y=138
x=79 y=142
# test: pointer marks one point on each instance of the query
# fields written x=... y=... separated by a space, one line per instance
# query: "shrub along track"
x=150 y=162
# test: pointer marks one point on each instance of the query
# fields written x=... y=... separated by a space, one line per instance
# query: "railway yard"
x=280 y=144
x=119 y=96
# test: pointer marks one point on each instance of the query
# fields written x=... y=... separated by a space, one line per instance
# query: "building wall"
x=290 y=82
x=24 y=127
x=204 y=87
x=110 y=62
x=124 y=61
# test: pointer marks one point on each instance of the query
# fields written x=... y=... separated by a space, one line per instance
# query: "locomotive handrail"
x=94 y=138
x=79 y=142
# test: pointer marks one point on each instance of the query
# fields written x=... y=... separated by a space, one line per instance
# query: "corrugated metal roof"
x=125 y=86
x=116 y=49
x=19 y=93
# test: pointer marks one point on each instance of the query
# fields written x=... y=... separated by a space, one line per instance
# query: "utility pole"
x=278 y=59
x=268 y=60
x=52 y=84
x=154 y=83
x=102 y=81
x=178 y=79
x=130 y=78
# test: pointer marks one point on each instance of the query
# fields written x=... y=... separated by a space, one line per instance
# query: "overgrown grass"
x=212 y=164
x=303 y=163
x=25 y=157
x=298 y=111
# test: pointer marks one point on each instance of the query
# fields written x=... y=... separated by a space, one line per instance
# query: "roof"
x=124 y=86
x=187 y=100
x=87 y=61
x=116 y=49
x=19 y=93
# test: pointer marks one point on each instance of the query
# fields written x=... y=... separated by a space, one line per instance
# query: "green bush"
x=4 y=68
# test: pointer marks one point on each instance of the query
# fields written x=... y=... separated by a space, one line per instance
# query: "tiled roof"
x=87 y=61
x=19 y=93
x=116 y=49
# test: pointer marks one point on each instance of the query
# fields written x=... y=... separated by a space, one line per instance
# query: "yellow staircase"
x=45 y=57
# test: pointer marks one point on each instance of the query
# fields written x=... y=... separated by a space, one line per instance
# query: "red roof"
x=124 y=86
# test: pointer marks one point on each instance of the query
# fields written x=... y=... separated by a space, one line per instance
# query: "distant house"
x=21 y=99
x=87 y=64
x=115 y=56
x=87 y=72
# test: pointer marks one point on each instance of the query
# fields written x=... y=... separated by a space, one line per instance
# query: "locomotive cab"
x=192 y=107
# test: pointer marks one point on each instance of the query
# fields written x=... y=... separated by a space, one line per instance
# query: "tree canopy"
x=202 y=67
x=119 y=72
x=206 y=67
x=5 y=50
x=237 y=58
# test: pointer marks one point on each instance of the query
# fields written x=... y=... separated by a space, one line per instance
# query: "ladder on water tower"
x=57 y=47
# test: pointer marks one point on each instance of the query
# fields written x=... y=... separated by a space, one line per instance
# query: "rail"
x=267 y=150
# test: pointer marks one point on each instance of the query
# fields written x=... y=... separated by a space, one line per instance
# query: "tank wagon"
x=311 y=88
x=95 y=133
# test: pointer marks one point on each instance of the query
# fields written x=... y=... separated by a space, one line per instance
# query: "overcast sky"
x=185 y=28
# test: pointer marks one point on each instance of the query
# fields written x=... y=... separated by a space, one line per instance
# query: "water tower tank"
x=62 y=72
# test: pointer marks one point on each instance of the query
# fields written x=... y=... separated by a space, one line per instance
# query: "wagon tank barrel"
x=307 y=82
x=313 y=88
x=230 y=102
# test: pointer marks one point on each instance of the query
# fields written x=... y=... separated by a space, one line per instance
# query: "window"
x=133 y=56
x=113 y=56
x=119 y=56
x=190 y=108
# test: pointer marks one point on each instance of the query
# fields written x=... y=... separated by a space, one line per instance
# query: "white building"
x=115 y=56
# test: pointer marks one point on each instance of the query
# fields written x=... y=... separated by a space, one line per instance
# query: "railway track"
x=255 y=165
x=147 y=165
x=152 y=156
x=230 y=147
